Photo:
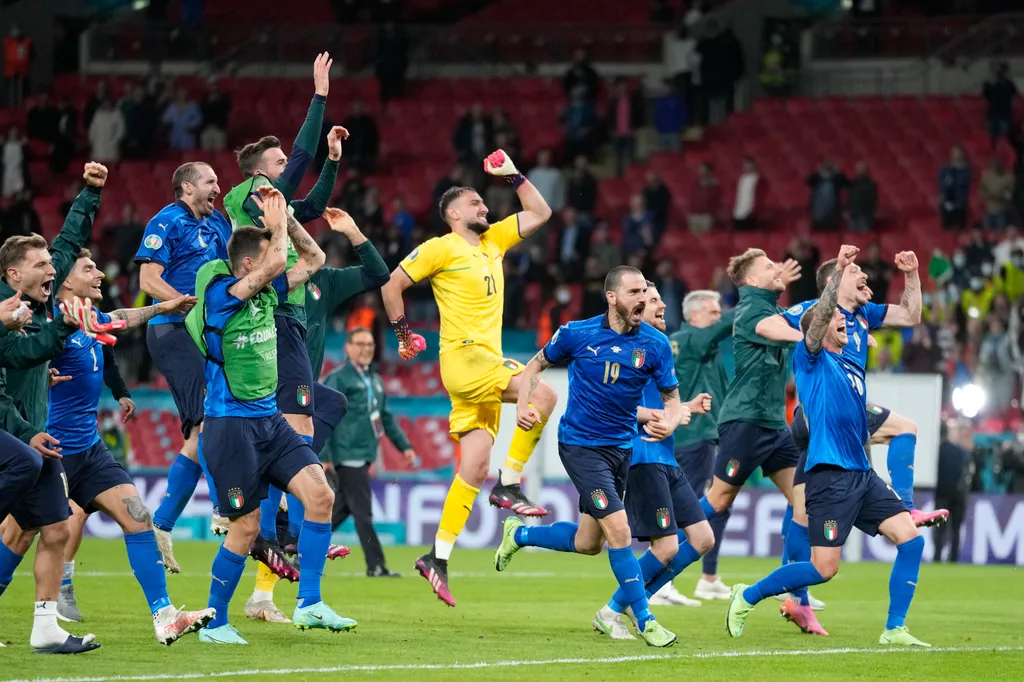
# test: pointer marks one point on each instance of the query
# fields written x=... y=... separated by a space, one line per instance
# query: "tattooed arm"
x=908 y=313
x=311 y=256
x=275 y=218
x=136 y=317
x=663 y=423
x=527 y=416
x=822 y=313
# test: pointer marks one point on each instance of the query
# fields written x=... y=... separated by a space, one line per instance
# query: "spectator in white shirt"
x=749 y=190
x=106 y=132
x=548 y=181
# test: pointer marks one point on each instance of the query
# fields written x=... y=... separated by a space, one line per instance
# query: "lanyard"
x=371 y=397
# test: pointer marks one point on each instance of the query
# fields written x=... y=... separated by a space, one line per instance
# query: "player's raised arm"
x=908 y=313
x=275 y=219
x=76 y=232
x=822 y=314
x=535 y=211
x=315 y=203
x=311 y=256
x=136 y=317
x=526 y=414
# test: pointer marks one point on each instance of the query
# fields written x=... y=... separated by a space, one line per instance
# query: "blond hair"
x=740 y=265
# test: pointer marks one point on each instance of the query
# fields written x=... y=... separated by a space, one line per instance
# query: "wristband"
x=517 y=179
x=402 y=331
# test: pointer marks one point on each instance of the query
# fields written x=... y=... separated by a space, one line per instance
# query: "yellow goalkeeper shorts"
x=475 y=377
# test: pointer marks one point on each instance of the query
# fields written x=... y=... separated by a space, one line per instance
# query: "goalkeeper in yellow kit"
x=465 y=270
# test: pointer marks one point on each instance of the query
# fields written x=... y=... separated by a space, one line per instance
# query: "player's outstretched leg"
x=508 y=493
x=515 y=535
x=782 y=579
x=901 y=435
x=797 y=547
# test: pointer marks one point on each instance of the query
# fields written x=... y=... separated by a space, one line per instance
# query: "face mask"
x=977 y=283
x=959 y=260
x=986 y=269
x=562 y=296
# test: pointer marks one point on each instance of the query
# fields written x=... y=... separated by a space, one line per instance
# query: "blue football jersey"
x=858 y=324
x=221 y=305
x=74 y=404
x=831 y=390
x=661 y=452
x=175 y=239
x=607 y=375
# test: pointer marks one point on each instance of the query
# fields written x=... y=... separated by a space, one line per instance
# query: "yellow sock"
x=522 y=446
x=265 y=580
x=457 y=507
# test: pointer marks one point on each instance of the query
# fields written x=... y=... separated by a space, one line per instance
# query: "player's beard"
x=479 y=227
x=626 y=313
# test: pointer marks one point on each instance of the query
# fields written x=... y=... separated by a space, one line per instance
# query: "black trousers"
x=352 y=498
x=957 y=506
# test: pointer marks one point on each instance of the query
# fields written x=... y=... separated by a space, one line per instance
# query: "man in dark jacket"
x=953 y=484
x=355 y=444
x=28 y=267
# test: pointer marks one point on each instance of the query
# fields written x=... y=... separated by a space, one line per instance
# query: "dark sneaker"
x=436 y=572
x=381 y=572
x=272 y=556
x=511 y=497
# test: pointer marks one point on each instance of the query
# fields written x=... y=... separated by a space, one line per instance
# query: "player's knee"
x=544 y=398
x=702 y=538
x=320 y=499
x=665 y=548
x=588 y=546
x=19 y=541
x=54 y=534
x=247 y=527
x=826 y=568
x=474 y=473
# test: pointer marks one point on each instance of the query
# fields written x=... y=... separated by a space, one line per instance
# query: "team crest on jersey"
x=235 y=498
x=639 y=354
x=413 y=256
x=302 y=395
x=732 y=468
x=831 y=530
x=511 y=365
x=600 y=499
x=797 y=309
x=874 y=409
x=153 y=242
x=863 y=322
x=663 y=518
x=314 y=291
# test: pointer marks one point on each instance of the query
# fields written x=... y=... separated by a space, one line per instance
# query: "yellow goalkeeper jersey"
x=468 y=283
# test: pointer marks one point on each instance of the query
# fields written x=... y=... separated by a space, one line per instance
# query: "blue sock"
x=718 y=528
x=686 y=555
x=901 y=466
x=268 y=514
x=296 y=514
x=214 y=500
x=709 y=511
x=627 y=571
x=903 y=581
x=783 y=579
x=798 y=548
x=144 y=558
x=650 y=568
x=181 y=483
x=559 y=536
x=9 y=562
x=787 y=519
x=227 y=571
x=314 y=540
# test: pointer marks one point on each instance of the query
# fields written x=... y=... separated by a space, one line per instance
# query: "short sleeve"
x=426 y=260
x=156 y=243
x=505 y=233
x=280 y=285
x=874 y=313
x=803 y=359
x=220 y=302
x=559 y=348
x=794 y=314
x=665 y=371
x=745 y=326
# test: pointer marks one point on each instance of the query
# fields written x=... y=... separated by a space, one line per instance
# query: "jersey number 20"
x=856 y=383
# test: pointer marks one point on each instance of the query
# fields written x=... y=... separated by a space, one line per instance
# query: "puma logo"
x=633 y=580
x=222 y=582
x=594 y=350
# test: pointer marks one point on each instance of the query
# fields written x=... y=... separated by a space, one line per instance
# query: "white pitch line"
x=509 y=664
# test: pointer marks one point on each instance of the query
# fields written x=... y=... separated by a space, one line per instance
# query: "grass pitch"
x=530 y=623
